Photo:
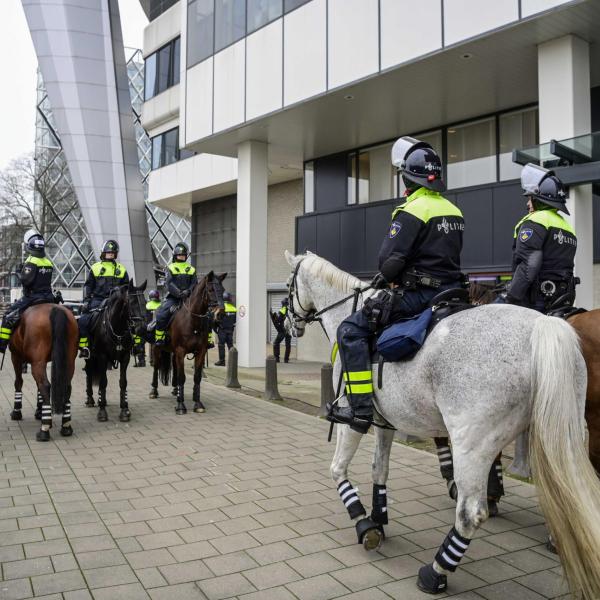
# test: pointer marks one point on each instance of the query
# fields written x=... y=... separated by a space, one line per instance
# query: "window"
x=165 y=149
x=158 y=7
x=200 y=30
x=518 y=129
x=261 y=12
x=292 y=4
x=472 y=153
x=309 y=187
x=161 y=69
x=371 y=175
x=230 y=22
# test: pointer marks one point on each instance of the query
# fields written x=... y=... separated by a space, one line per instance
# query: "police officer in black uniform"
x=283 y=325
x=180 y=280
x=544 y=244
x=225 y=328
x=36 y=279
x=419 y=258
x=103 y=277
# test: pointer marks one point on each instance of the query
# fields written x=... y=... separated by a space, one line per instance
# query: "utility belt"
x=552 y=288
x=412 y=279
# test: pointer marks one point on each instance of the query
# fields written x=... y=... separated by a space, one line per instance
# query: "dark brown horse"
x=46 y=332
x=188 y=334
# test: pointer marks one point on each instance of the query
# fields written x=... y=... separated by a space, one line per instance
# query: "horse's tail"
x=164 y=366
x=568 y=486
x=59 y=380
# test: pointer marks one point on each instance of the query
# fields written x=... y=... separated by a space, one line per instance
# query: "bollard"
x=520 y=463
x=271 y=390
x=327 y=391
x=231 y=381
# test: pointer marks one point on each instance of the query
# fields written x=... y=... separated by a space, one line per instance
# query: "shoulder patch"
x=525 y=234
x=395 y=228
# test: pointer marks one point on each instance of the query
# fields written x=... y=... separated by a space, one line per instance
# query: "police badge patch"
x=525 y=234
x=395 y=228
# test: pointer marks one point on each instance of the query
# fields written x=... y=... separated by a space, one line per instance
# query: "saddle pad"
x=401 y=341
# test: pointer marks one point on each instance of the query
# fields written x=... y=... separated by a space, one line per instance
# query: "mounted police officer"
x=152 y=305
x=544 y=244
x=36 y=279
x=283 y=325
x=103 y=277
x=419 y=258
x=225 y=328
x=180 y=280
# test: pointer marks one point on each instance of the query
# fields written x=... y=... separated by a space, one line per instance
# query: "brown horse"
x=46 y=332
x=188 y=334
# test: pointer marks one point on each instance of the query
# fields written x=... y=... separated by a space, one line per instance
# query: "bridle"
x=210 y=294
x=112 y=334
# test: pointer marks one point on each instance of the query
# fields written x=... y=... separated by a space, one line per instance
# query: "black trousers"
x=282 y=335
x=163 y=312
x=86 y=317
x=18 y=307
x=225 y=338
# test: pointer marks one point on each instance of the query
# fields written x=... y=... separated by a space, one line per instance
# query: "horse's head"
x=136 y=302
x=300 y=303
x=215 y=289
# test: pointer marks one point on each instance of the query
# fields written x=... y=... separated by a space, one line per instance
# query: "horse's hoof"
x=153 y=394
x=66 y=431
x=16 y=415
x=174 y=392
x=90 y=402
x=431 y=582
x=181 y=409
x=550 y=546
x=492 y=508
x=125 y=416
x=102 y=415
x=199 y=407
x=369 y=534
x=42 y=436
x=38 y=415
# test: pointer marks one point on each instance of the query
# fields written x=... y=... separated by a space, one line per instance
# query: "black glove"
x=379 y=282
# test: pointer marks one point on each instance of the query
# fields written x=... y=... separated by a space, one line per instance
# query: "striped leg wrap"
x=379 y=512
x=40 y=400
x=46 y=414
x=445 y=457
x=452 y=550
x=66 y=418
x=349 y=496
x=495 y=480
x=18 y=401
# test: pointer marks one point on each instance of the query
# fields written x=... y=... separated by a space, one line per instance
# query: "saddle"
x=563 y=307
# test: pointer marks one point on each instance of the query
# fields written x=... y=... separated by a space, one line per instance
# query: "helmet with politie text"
x=418 y=163
x=109 y=247
x=34 y=242
x=544 y=187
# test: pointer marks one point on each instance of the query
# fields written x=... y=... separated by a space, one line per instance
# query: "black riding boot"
x=221 y=361
x=359 y=415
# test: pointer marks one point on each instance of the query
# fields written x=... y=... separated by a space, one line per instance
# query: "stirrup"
x=345 y=416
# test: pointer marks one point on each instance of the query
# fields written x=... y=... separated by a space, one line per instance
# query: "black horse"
x=111 y=338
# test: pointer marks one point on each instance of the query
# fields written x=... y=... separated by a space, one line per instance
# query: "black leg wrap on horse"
x=452 y=550
x=445 y=457
x=349 y=496
x=495 y=481
x=379 y=511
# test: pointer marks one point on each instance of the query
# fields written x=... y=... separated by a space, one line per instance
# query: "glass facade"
x=162 y=69
x=517 y=129
x=309 y=187
x=261 y=12
x=230 y=22
x=200 y=30
x=292 y=4
x=165 y=149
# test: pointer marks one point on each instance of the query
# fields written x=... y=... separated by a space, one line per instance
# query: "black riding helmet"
x=154 y=295
x=109 y=246
x=418 y=163
x=179 y=249
x=227 y=296
x=35 y=243
x=544 y=187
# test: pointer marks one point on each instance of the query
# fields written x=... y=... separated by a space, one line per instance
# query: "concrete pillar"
x=251 y=254
x=564 y=105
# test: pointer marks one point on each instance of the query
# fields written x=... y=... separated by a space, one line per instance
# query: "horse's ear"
x=210 y=275
x=291 y=258
x=221 y=276
x=143 y=286
x=130 y=285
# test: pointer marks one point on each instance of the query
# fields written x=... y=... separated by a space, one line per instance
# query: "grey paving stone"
x=93 y=543
x=131 y=591
x=192 y=551
x=231 y=563
x=315 y=564
x=150 y=577
x=226 y=586
x=546 y=583
x=27 y=568
x=150 y=558
x=185 y=572
x=100 y=558
x=109 y=576
x=64 y=562
x=15 y=589
x=277 y=593
x=361 y=577
x=233 y=543
x=48 y=548
x=321 y=587
x=183 y=591
x=159 y=540
x=508 y=589
x=273 y=575
x=57 y=582
x=78 y=595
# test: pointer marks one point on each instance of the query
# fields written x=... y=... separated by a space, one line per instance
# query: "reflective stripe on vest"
x=547 y=218
x=181 y=268
x=152 y=304
x=426 y=204
x=230 y=308
x=283 y=310
x=39 y=262
x=107 y=268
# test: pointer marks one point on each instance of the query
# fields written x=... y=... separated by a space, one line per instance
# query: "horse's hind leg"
x=198 y=364
x=125 y=414
x=154 y=362
x=89 y=390
x=174 y=378
x=66 y=430
x=179 y=357
x=380 y=472
x=16 y=414
x=471 y=474
x=38 y=370
x=444 y=454
x=368 y=532
x=102 y=415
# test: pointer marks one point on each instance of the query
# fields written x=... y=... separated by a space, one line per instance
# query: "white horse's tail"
x=568 y=486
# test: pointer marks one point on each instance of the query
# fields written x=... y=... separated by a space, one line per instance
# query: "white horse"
x=482 y=377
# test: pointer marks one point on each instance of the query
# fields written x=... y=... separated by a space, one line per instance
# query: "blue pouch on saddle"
x=401 y=341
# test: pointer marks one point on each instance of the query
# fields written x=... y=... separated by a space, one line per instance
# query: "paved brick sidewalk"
x=236 y=502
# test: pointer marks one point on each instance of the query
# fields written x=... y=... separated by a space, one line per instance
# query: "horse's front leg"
x=89 y=390
x=125 y=414
x=174 y=378
x=38 y=370
x=102 y=384
x=179 y=357
x=368 y=532
x=198 y=365
x=16 y=414
x=154 y=354
x=380 y=472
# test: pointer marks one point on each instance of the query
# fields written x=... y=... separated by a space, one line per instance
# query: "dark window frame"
x=173 y=74
x=180 y=153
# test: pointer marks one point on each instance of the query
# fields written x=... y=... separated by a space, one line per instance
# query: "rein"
x=118 y=339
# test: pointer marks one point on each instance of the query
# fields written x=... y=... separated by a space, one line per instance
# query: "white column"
x=251 y=254
x=564 y=101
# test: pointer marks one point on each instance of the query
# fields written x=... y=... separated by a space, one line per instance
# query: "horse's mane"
x=323 y=270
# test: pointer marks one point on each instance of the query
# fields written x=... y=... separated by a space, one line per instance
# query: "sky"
x=18 y=66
